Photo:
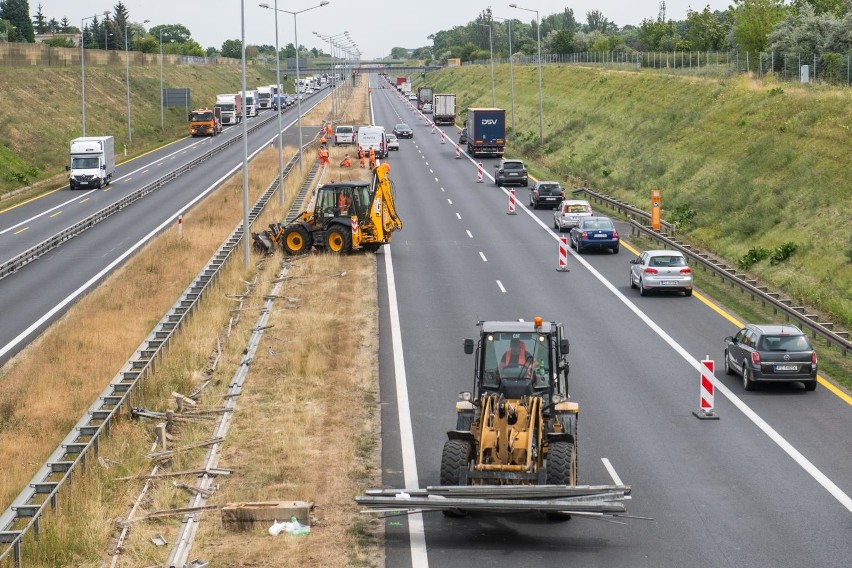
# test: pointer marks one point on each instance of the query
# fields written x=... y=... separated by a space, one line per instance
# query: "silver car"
x=661 y=270
x=393 y=142
x=569 y=213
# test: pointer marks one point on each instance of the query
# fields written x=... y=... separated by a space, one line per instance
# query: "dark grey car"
x=546 y=193
x=511 y=172
x=771 y=353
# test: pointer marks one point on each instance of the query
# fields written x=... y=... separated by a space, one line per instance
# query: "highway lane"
x=30 y=223
x=722 y=493
x=69 y=271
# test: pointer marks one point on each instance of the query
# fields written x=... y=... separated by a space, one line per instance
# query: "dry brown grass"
x=119 y=316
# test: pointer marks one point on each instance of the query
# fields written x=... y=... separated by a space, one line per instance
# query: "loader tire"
x=456 y=455
x=297 y=240
x=561 y=470
x=339 y=240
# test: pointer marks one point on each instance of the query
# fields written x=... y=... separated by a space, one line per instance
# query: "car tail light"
x=615 y=234
x=755 y=357
x=686 y=270
x=650 y=271
x=585 y=235
x=563 y=194
x=813 y=358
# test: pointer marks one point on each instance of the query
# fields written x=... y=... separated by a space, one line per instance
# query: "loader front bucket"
x=262 y=243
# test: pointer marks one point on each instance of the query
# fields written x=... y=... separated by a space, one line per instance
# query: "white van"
x=344 y=134
x=373 y=137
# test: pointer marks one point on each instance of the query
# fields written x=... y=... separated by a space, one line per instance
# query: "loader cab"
x=342 y=200
x=520 y=359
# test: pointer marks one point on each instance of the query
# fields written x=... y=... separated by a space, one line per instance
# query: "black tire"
x=748 y=384
x=810 y=385
x=632 y=283
x=372 y=247
x=339 y=239
x=615 y=250
x=556 y=226
x=297 y=240
x=562 y=464
x=455 y=455
x=642 y=291
x=728 y=369
x=526 y=183
x=687 y=293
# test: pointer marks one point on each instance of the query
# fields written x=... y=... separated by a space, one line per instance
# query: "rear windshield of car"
x=512 y=165
x=549 y=187
x=577 y=208
x=401 y=127
x=344 y=130
x=668 y=261
x=784 y=343
x=598 y=224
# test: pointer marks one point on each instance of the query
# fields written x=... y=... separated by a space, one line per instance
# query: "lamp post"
x=491 y=50
x=298 y=76
x=331 y=46
x=83 y=63
x=511 y=71
x=127 y=79
x=161 y=78
x=540 y=104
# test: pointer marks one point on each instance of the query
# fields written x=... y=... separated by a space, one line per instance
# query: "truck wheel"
x=339 y=240
x=297 y=240
x=455 y=455
x=562 y=464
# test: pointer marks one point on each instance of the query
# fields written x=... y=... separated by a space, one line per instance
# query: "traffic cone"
x=511 y=203
x=479 y=173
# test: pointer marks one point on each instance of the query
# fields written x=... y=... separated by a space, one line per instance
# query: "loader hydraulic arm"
x=382 y=214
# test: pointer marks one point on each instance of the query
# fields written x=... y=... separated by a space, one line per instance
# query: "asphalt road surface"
x=766 y=485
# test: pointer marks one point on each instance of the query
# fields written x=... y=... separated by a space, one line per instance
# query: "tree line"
x=804 y=26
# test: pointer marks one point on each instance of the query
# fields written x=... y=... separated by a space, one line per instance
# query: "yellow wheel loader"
x=346 y=216
x=518 y=426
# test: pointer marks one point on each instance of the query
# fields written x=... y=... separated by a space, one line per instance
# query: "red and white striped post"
x=707 y=391
x=458 y=151
x=442 y=137
x=511 y=210
x=479 y=173
x=563 y=255
x=180 y=226
x=433 y=128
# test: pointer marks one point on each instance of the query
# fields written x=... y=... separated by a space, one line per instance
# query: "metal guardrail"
x=24 y=258
x=800 y=314
x=622 y=207
x=810 y=321
x=42 y=490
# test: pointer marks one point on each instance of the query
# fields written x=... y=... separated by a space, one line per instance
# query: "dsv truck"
x=92 y=162
x=485 y=130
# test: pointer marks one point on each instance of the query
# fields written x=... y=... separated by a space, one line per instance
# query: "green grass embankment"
x=759 y=163
x=47 y=111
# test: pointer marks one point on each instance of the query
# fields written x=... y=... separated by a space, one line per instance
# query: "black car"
x=403 y=131
x=511 y=172
x=771 y=353
x=548 y=193
x=463 y=136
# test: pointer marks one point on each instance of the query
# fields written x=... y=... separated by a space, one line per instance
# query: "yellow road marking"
x=21 y=231
x=55 y=214
x=107 y=189
x=30 y=200
x=84 y=200
x=125 y=180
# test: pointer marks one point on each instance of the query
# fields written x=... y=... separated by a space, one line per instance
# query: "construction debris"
x=248 y=516
x=167 y=513
x=211 y=471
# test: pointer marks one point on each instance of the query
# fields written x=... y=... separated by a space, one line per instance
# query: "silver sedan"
x=661 y=270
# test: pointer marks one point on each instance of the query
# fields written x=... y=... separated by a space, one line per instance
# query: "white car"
x=412 y=97
x=393 y=142
x=661 y=270
x=569 y=213
x=427 y=108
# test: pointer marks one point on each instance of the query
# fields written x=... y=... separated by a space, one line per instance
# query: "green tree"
x=213 y=52
x=399 y=53
x=53 y=26
x=561 y=41
x=597 y=22
x=39 y=21
x=60 y=42
x=17 y=12
x=705 y=31
x=172 y=33
x=658 y=35
x=232 y=48
x=754 y=20
x=837 y=7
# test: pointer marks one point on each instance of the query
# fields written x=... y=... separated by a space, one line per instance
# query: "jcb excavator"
x=514 y=448
x=346 y=216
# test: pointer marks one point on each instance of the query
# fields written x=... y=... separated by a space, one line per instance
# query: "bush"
x=753 y=256
x=782 y=253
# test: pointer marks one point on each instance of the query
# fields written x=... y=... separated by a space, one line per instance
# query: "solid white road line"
x=416 y=532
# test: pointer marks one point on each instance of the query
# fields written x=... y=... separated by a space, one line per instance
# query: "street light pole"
x=298 y=77
x=246 y=227
x=540 y=103
x=161 y=78
x=491 y=49
x=280 y=127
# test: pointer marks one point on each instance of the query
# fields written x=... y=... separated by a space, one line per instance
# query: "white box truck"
x=92 y=161
x=444 y=108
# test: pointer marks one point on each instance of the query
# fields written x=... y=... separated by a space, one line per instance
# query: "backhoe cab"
x=518 y=426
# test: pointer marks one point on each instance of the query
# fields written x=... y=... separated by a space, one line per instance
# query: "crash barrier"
x=799 y=314
x=626 y=209
x=706 y=391
x=84 y=438
x=562 y=266
x=511 y=203
x=24 y=258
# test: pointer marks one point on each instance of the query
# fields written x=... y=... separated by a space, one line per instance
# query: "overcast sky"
x=376 y=26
